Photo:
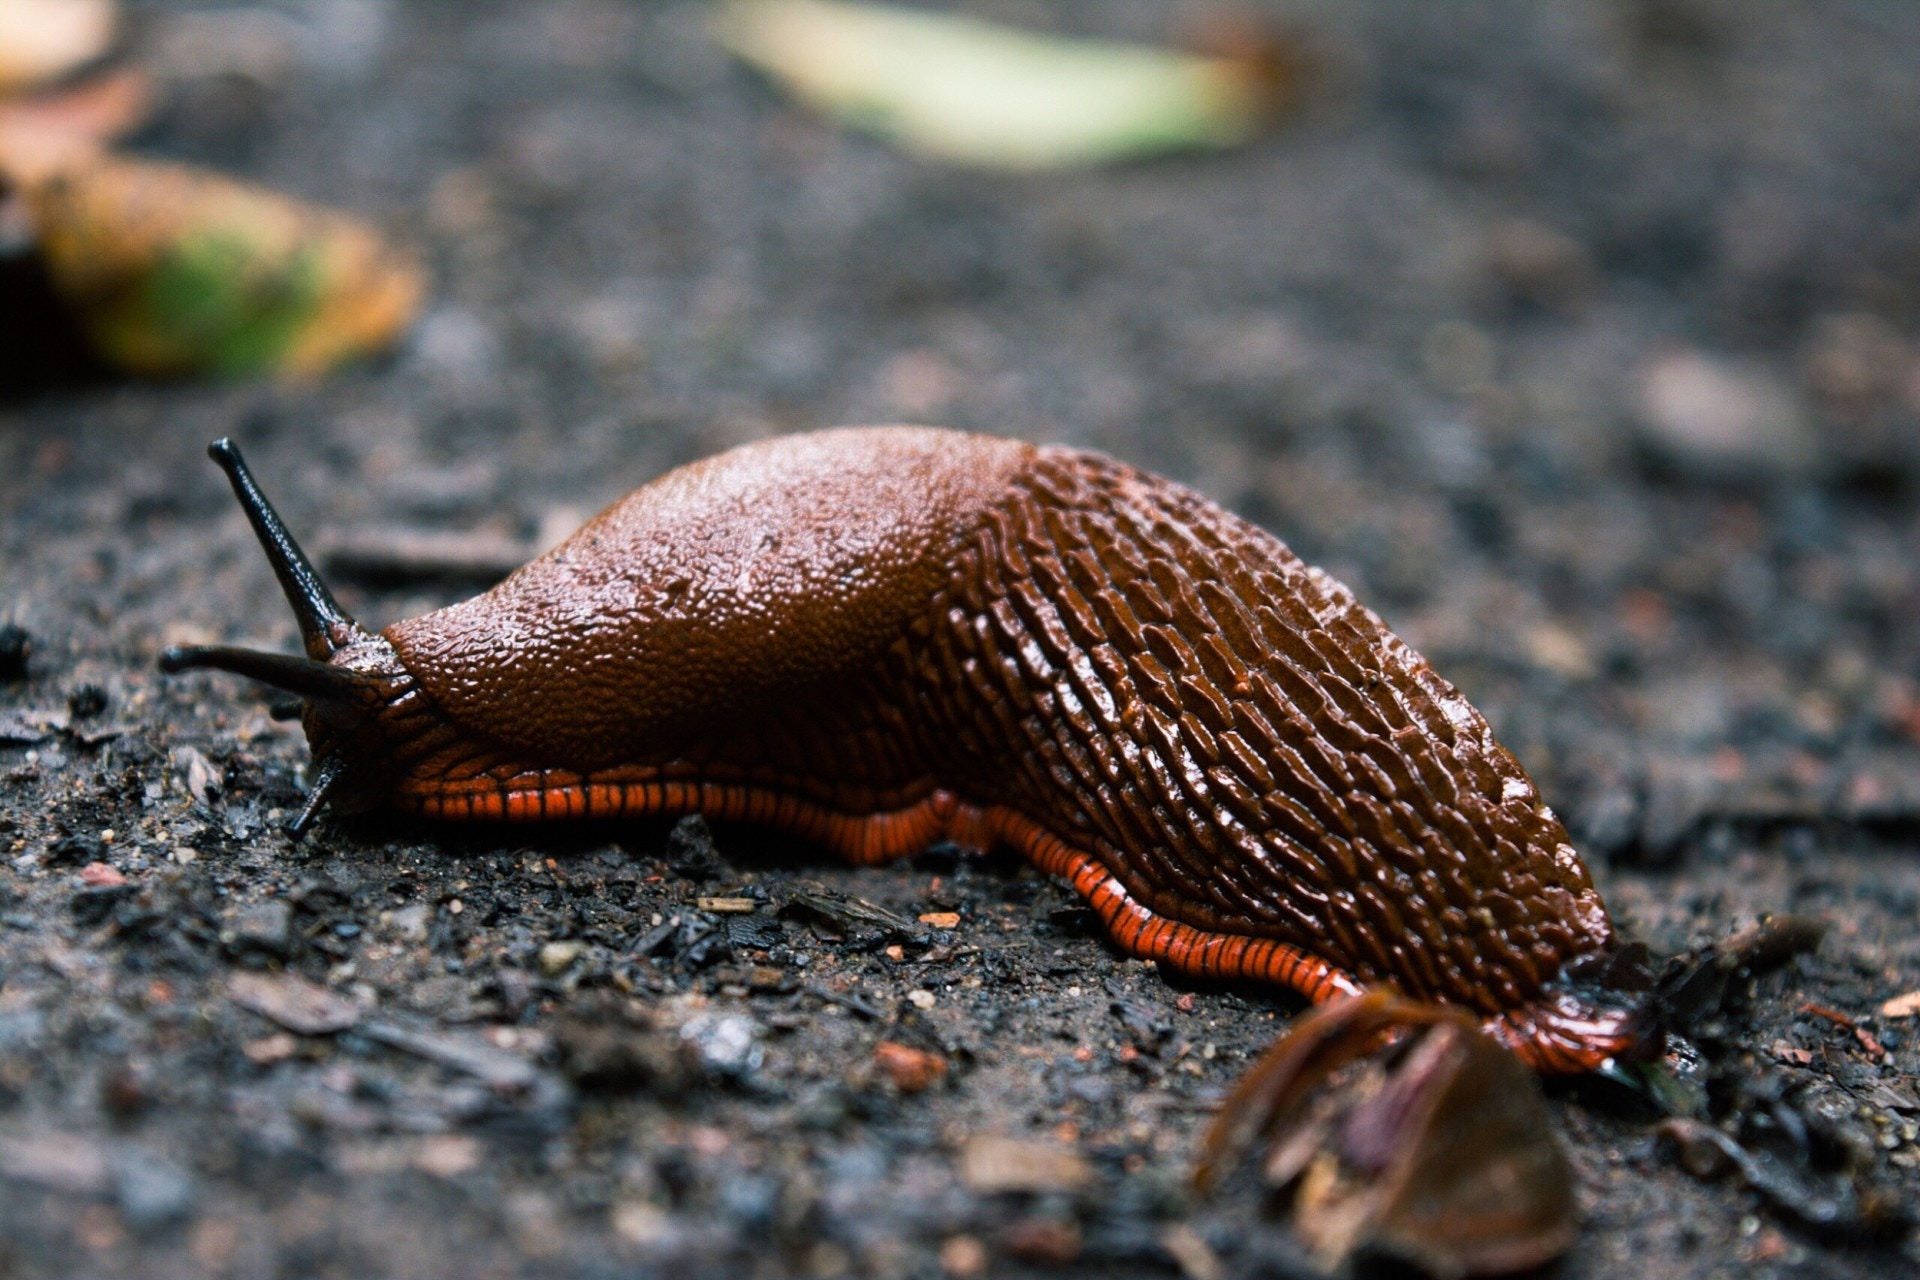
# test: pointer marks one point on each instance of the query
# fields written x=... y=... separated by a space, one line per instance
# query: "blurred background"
x=1580 y=337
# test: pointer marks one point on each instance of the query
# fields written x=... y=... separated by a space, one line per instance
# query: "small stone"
x=963 y=1256
x=152 y=1193
x=727 y=1042
x=447 y=1155
x=766 y=978
x=639 y=1223
x=268 y=1050
x=100 y=875
x=989 y=1165
x=1722 y=419
x=409 y=924
x=911 y=1070
x=941 y=919
x=302 y=1007
x=690 y=851
x=557 y=957
x=264 y=929
x=920 y=998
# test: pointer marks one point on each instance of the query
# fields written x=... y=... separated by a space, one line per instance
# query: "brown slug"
x=882 y=637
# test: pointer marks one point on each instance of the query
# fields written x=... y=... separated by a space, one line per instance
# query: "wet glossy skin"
x=881 y=637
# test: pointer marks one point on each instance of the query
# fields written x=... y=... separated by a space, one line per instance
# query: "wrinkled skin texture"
x=881 y=636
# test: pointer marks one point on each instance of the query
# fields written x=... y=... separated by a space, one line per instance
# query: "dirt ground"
x=1578 y=336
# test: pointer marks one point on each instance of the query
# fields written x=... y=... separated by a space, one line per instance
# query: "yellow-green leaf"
x=174 y=270
x=968 y=92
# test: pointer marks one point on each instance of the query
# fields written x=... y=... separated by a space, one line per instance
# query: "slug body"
x=881 y=637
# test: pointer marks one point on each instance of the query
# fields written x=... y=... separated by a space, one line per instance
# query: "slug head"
x=351 y=681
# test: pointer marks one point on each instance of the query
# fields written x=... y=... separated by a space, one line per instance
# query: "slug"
x=882 y=637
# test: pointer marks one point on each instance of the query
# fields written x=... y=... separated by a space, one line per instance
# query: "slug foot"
x=1436 y=1149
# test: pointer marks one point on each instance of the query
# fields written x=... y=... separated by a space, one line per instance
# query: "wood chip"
x=303 y=1007
x=727 y=906
x=991 y=1165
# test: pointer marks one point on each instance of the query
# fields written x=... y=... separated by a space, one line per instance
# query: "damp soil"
x=1465 y=332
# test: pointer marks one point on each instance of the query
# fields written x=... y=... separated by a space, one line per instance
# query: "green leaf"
x=967 y=92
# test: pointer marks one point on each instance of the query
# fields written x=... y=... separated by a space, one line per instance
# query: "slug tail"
x=325 y=627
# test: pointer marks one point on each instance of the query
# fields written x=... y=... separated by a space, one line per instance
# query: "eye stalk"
x=324 y=626
x=325 y=629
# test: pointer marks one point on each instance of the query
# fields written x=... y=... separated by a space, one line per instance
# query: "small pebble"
x=152 y=1193
x=557 y=957
x=963 y=1256
x=263 y=929
x=911 y=1070
x=1719 y=419
x=727 y=1042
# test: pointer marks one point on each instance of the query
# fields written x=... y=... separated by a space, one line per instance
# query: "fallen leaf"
x=173 y=270
x=41 y=40
x=294 y=1003
x=969 y=92
x=1443 y=1154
